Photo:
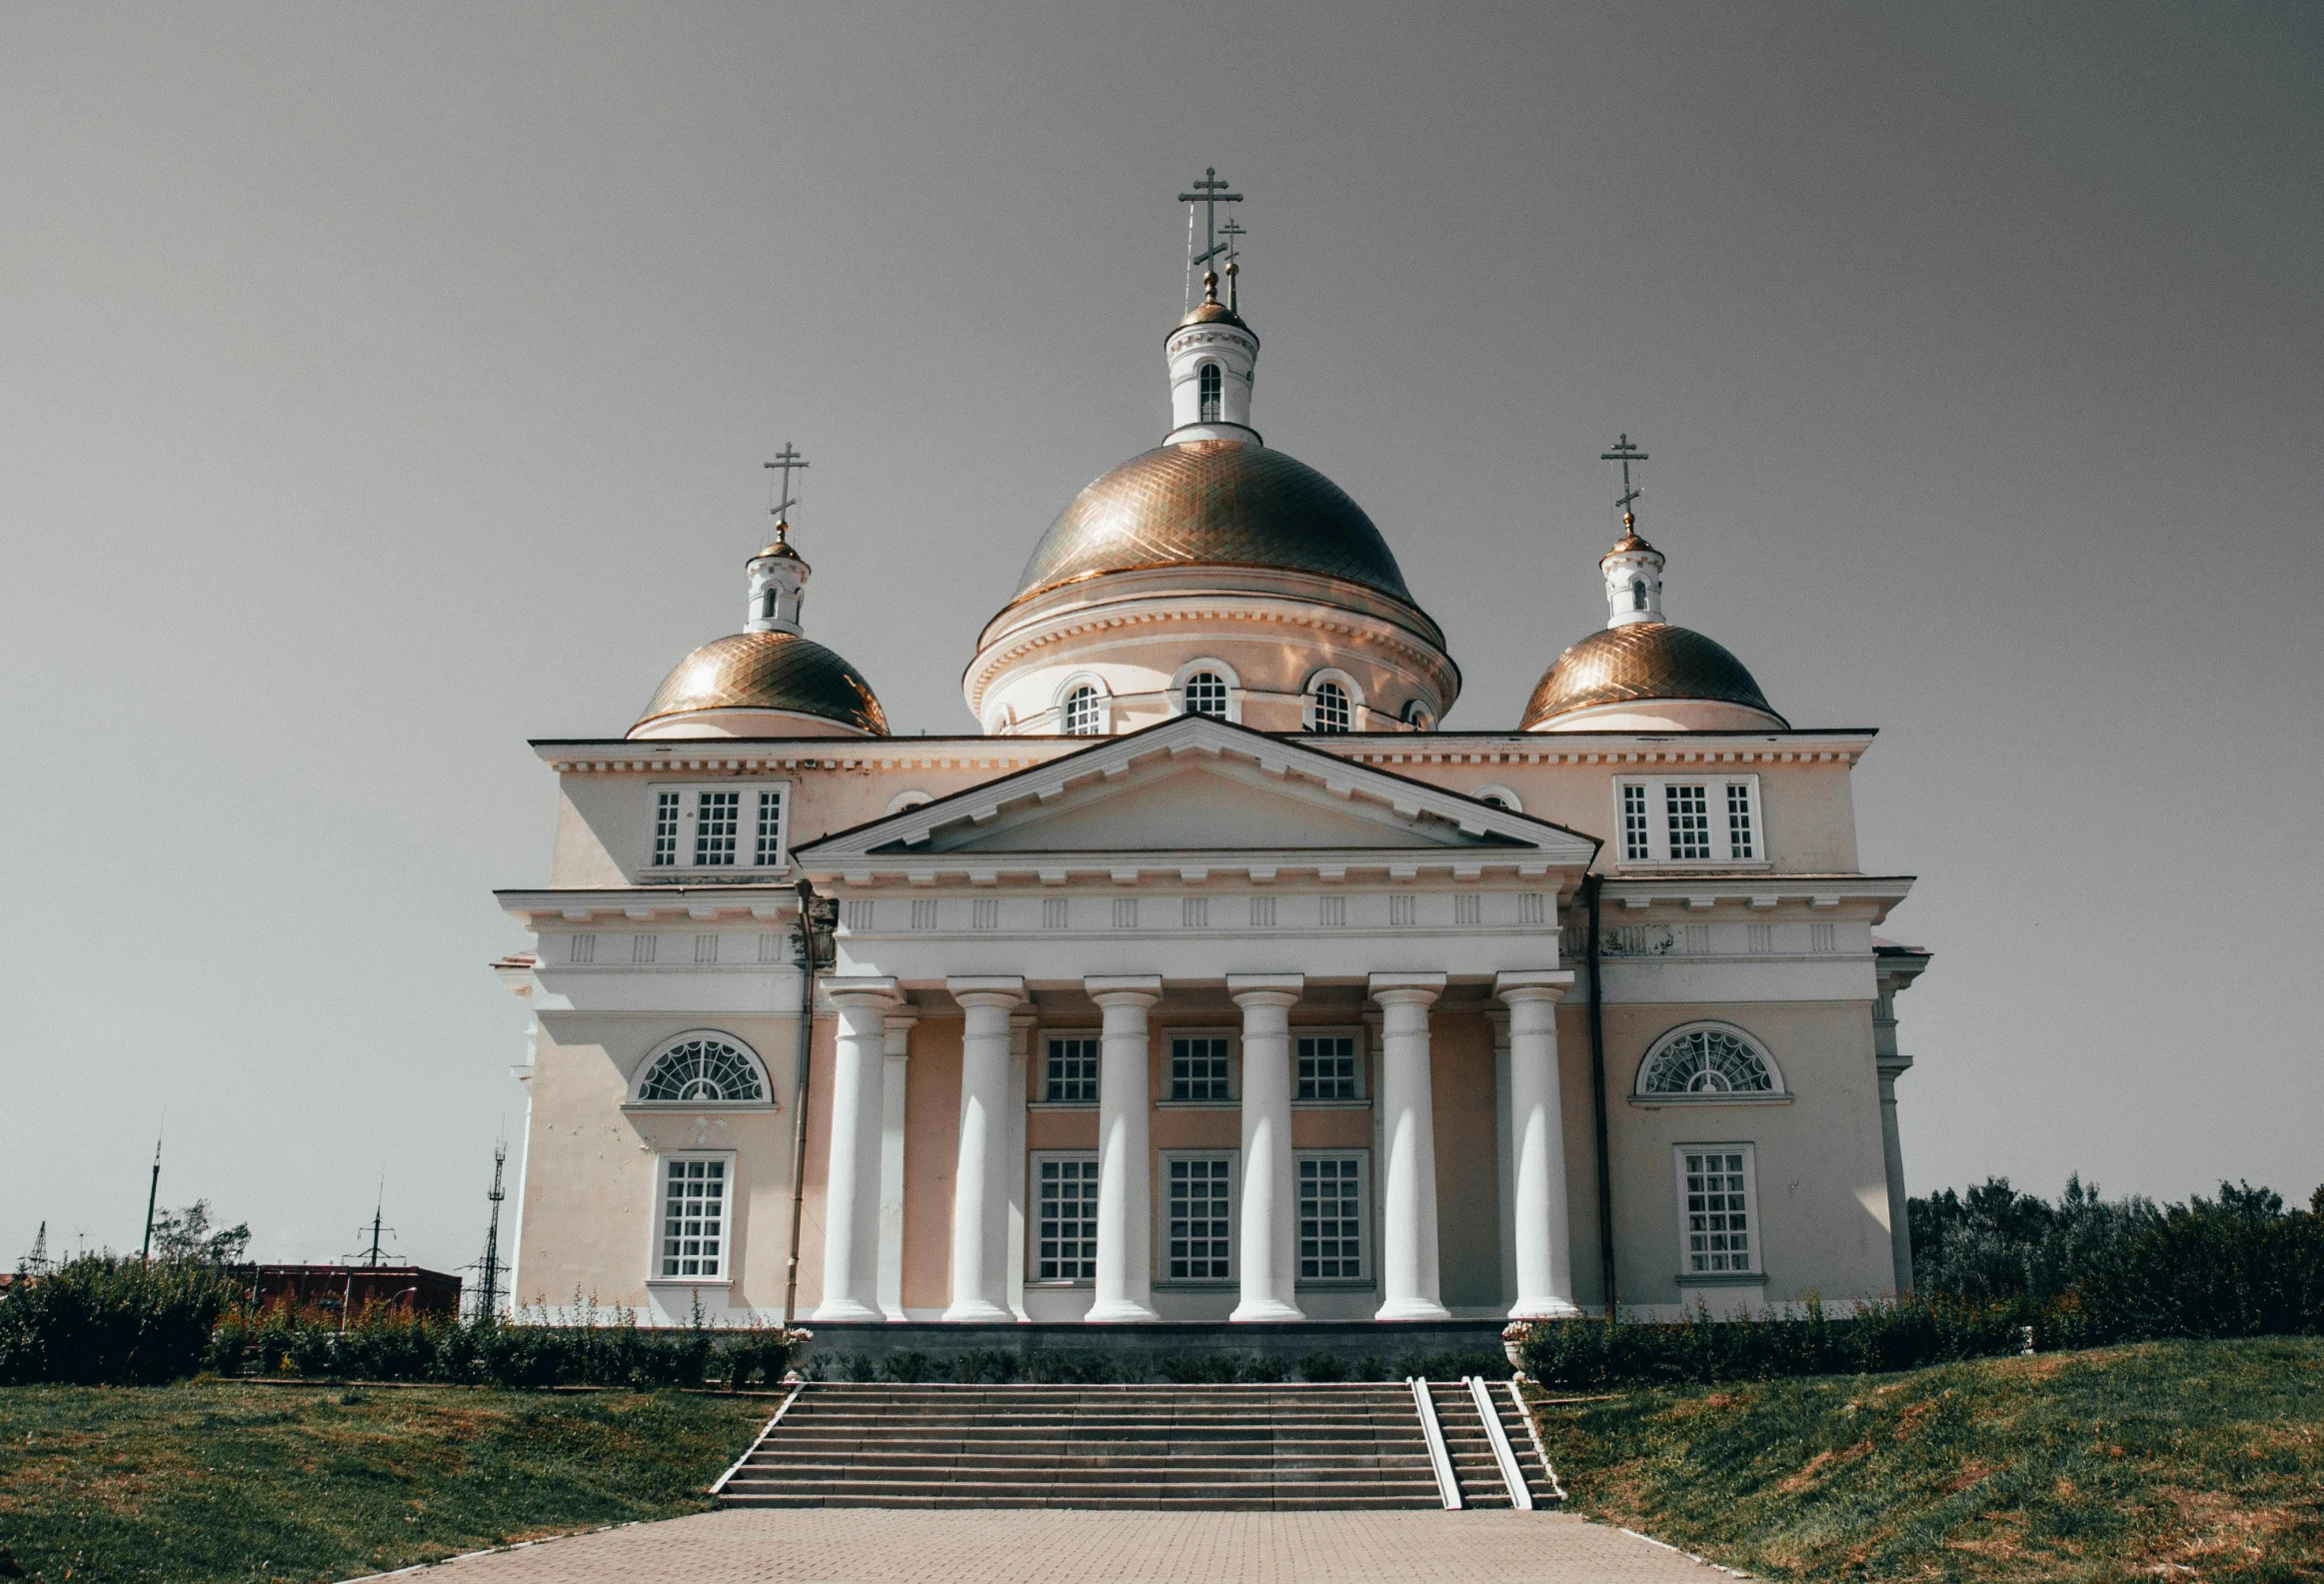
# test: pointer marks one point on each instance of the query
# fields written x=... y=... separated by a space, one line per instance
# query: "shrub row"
x=1878 y=1338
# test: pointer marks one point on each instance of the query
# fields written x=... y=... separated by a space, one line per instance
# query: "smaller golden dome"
x=1642 y=661
x=768 y=670
x=1211 y=311
x=782 y=546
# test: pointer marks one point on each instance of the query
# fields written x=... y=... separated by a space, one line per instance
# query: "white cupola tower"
x=1211 y=355
x=778 y=585
x=1634 y=574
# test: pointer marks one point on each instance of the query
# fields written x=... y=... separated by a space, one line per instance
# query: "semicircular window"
x=1708 y=1061
x=703 y=1069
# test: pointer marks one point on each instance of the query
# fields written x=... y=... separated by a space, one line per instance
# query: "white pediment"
x=1195 y=789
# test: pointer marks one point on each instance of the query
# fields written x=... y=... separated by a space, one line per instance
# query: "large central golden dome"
x=1219 y=502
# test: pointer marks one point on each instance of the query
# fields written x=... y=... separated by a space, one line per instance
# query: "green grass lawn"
x=2194 y=1461
x=223 y=1481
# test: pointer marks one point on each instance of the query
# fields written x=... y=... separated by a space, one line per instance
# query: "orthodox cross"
x=1210 y=191
x=787 y=458
x=1625 y=454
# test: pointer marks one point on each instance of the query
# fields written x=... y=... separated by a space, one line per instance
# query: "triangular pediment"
x=1195 y=791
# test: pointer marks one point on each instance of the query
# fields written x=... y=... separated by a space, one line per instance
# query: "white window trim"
x=727 y=1239
x=1639 y=1095
x=1756 y=1230
x=1233 y=1038
x=1509 y=799
x=907 y=800
x=1367 y=1243
x=1658 y=823
x=1066 y=691
x=1353 y=1031
x=746 y=832
x=1161 y=1221
x=1225 y=673
x=1356 y=708
x=655 y=1052
x=1040 y=1064
x=1032 y=1278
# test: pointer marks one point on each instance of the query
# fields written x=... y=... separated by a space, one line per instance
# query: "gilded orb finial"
x=1210 y=284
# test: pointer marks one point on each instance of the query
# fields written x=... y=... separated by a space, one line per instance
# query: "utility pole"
x=488 y=1301
x=153 y=1189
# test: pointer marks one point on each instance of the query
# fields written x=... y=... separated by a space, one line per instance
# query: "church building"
x=1213 y=980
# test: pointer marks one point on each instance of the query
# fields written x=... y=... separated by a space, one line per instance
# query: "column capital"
x=1406 y=990
x=1124 y=990
x=1266 y=989
x=1537 y=984
x=862 y=990
x=902 y=1022
x=989 y=990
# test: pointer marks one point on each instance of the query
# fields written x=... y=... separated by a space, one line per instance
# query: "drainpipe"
x=1590 y=884
x=806 y=958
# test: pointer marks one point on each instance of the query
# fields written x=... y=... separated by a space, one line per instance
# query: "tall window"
x=1198 y=1069
x=666 y=813
x=1635 y=842
x=721 y=826
x=1330 y=1217
x=767 y=606
x=694 y=1219
x=1715 y=1188
x=1637 y=593
x=1688 y=809
x=1209 y=383
x=703 y=1069
x=1326 y=1067
x=1706 y=1060
x=1207 y=694
x=1072 y=1075
x=1083 y=714
x=715 y=825
x=1739 y=843
x=1200 y=1245
x=1332 y=711
x=1064 y=1247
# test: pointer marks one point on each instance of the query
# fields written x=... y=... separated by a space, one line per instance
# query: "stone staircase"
x=1252 y=1447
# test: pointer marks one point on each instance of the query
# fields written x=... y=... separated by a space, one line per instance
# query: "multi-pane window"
x=1332 y=713
x=1207 y=694
x=1326 y=1067
x=703 y=1069
x=1198 y=1069
x=1683 y=819
x=1687 y=809
x=1065 y=1223
x=717 y=827
x=1209 y=383
x=1706 y=1060
x=1714 y=1185
x=694 y=1220
x=1083 y=713
x=1071 y=1076
x=1330 y=1217
x=1199 y=1243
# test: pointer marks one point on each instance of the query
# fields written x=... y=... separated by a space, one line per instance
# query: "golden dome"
x=1641 y=660
x=768 y=670
x=1216 y=503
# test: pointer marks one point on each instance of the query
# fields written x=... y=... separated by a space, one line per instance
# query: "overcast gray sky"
x=380 y=387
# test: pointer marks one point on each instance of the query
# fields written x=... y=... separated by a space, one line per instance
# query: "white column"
x=1125 y=1159
x=1020 y=1026
x=1408 y=1286
x=980 y=1179
x=1890 y=1068
x=851 y=1195
x=1271 y=1191
x=894 y=1071
x=1544 y=1253
x=1504 y=1151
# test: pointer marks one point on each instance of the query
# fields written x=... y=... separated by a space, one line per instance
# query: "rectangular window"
x=769 y=846
x=1635 y=841
x=1331 y=1199
x=1688 y=809
x=1071 y=1073
x=1716 y=1214
x=1326 y=1067
x=694 y=1220
x=724 y=827
x=1065 y=1244
x=666 y=812
x=1200 y=1243
x=1198 y=1069
x=715 y=820
x=1739 y=842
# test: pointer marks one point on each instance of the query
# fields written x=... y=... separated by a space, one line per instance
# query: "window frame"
x=1217 y=668
x=1163 y=1159
x=1719 y=791
x=1230 y=1037
x=1103 y=707
x=1042 y=1042
x=1366 y=1241
x=1350 y=1032
x=1755 y=1231
x=1641 y=1096
x=1036 y=1160
x=1209 y=393
x=747 y=825
x=633 y=1099
x=728 y=1239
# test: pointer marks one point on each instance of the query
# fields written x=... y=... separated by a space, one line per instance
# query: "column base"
x=1261 y=1309
x=977 y=1312
x=1413 y=1309
x=1118 y=1310
x=1544 y=1309
x=846 y=1310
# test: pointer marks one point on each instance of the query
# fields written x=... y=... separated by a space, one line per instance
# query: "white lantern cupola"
x=1634 y=574
x=778 y=586
x=1212 y=353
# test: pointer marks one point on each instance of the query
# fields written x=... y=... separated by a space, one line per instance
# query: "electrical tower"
x=487 y=1271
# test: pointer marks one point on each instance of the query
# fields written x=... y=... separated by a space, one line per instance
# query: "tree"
x=186 y=1236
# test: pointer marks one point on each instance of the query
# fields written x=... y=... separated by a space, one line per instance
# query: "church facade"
x=1213 y=980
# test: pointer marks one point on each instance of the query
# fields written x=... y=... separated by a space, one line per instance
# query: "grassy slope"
x=208 y=1482
x=2180 y=1461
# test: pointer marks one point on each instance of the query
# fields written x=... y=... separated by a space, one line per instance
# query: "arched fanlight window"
x=1081 y=713
x=1637 y=593
x=1209 y=385
x=1707 y=1059
x=1207 y=694
x=1332 y=711
x=704 y=1070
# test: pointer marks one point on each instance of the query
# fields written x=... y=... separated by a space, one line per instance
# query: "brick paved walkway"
x=1037 y=1546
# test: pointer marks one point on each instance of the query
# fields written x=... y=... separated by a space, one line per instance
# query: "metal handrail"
x=1438 y=1458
